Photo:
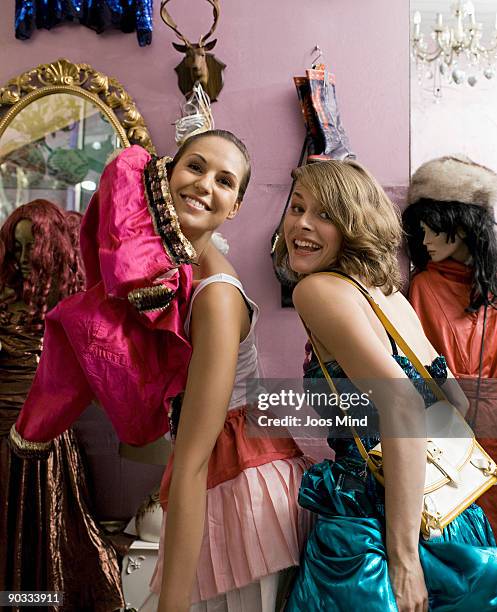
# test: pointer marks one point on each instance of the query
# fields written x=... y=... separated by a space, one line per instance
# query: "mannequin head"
x=40 y=262
x=455 y=198
x=463 y=232
x=440 y=246
x=23 y=245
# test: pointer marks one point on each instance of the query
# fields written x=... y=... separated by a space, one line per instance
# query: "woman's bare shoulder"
x=328 y=306
x=401 y=304
x=214 y=262
x=218 y=309
x=325 y=290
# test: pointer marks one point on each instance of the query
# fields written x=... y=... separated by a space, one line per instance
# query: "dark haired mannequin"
x=44 y=502
x=453 y=245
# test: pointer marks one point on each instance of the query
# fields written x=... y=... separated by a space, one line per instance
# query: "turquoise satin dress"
x=344 y=565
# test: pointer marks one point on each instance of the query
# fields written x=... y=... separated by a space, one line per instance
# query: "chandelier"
x=456 y=54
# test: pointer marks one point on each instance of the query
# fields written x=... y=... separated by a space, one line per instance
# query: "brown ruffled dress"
x=45 y=523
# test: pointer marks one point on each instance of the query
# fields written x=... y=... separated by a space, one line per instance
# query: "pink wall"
x=264 y=44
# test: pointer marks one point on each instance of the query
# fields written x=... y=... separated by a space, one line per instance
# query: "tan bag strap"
x=406 y=349
x=362 y=450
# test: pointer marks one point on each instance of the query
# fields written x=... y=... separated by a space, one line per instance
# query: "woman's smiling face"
x=204 y=185
x=312 y=240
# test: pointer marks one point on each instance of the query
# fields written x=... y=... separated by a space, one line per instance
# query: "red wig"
x=56 y=269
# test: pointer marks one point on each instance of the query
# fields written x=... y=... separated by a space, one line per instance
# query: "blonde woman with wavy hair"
x=355 y=203
x=365 y=550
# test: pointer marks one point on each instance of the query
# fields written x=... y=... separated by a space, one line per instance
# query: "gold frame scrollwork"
x=82 y=80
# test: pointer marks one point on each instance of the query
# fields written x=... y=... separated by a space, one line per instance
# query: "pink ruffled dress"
x=254 y=527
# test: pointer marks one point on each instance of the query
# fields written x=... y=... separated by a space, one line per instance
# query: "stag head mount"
x=198 y=66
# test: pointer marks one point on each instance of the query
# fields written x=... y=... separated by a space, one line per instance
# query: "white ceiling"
x=485 y=12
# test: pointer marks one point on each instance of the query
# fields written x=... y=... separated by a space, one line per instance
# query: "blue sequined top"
x=345 y=448
x=346 y=452
x=100 y=15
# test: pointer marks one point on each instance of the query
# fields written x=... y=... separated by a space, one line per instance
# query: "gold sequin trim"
x=27 y=445
x=163 y=213
x=146 y=299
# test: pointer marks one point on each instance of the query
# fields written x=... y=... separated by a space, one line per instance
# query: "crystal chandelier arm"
x=421 y=52
x=425 y=56
x=485 y=50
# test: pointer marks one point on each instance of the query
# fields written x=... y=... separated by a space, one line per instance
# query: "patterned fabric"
x=151 y=298
x=344 y=566
x=163 y=213
x=99 y=15
x=318 y=100
x=45 y=506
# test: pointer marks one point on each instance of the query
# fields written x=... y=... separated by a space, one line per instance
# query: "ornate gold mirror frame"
x=52 y=119
x=82 y=80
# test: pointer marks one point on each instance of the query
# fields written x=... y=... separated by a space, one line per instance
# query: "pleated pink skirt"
x=260 y=596
x=254 y=527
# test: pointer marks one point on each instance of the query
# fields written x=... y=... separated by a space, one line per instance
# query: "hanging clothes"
x=318 y=100
x=99 y=15
x=45 y=506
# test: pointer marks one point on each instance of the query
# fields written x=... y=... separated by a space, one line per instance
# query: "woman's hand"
x=408 y=584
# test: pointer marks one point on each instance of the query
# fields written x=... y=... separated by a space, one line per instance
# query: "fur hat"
x=455 y=178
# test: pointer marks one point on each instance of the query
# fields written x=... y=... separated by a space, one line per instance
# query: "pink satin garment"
x=96 y=344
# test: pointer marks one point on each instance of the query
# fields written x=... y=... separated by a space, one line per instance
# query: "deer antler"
x=168 y=20
x=215 y=11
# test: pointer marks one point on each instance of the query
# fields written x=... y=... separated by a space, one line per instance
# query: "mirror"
x=58 y=125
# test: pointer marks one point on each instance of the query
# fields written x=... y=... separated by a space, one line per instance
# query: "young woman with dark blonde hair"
x=365 y=550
